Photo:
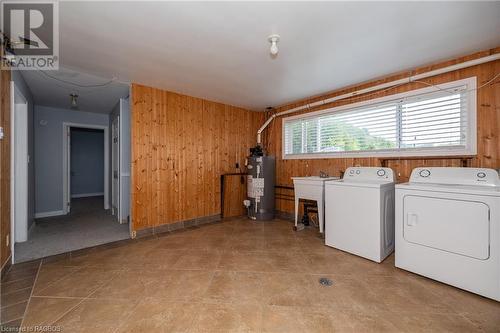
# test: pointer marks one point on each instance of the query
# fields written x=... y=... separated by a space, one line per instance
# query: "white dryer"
x=448 y=227
x=359 y=212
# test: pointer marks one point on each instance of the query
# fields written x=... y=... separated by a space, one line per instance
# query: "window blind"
x=431 y=120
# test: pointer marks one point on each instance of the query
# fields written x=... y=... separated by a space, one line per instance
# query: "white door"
x=115 y=167
x=20 y=160
x=124 y=139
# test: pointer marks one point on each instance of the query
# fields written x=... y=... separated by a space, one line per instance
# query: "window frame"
x=470 y=148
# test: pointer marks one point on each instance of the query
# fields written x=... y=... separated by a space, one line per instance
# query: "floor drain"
x=325 y=282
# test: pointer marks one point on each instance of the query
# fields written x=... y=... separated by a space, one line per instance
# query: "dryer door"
x=457 y=226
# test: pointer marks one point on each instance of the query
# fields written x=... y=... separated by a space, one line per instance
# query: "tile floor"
x=234 y=276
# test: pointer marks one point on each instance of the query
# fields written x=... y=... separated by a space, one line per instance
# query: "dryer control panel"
x=455 y=176
x=369 y=173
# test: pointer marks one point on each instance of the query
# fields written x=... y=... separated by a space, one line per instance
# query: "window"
x=423 y=122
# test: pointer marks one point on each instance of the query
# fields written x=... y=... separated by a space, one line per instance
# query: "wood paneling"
x=234 y=192
x=488 y=123
x=5 y=165
x=180 y=147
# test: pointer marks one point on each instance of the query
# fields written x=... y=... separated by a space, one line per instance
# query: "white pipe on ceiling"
x=408 y=79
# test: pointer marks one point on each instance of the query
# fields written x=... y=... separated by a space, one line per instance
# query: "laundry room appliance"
x=448 y=227
x=359 y=212
x=311 y=188
x=260 y=185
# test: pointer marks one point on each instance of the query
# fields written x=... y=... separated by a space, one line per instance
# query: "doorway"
x=86 y=163
x=69 y=175
x=87 y=220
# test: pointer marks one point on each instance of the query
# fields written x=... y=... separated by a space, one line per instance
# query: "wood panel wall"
x=5 y=166
x=235 y=191
x=180 y=147
x=488 y=125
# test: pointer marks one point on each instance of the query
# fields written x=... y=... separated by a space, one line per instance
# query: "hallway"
x=87 y=225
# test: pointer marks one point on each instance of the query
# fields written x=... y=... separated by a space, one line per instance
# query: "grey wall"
x=25 y=90
x=49 y=154
x=87 y=161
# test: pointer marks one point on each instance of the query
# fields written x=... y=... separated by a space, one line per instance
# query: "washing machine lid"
x=359 y=183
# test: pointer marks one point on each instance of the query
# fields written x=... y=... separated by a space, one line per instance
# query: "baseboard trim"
x=85 y=195
x=49 y=214
x=177 y=225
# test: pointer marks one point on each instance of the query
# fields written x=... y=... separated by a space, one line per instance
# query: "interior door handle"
x=411 y=219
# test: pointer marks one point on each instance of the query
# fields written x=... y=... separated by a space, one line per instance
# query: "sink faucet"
x=323 y=174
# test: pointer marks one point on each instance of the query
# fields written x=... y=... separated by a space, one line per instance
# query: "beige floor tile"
x=331 y=261
x=307 y=319
x=11 y=326
x=44 y=311
x=15 y=285
x=134 y=284
x=484 y=321
x=214 y=243
x=206 y=260
x=81 y=283
x=245 y=244
x=266 y=261
x=12 y=312
x=391 y=293
x=51 y=274
x=236 y=287
x=25 y=266
x=15 y=297
x=228 y=318
x=19 y=274
x=176 y=241
x=160 y=316
x=429 y=322
x=285 y=289
x=92 y=315
x=151 y=258
x=185 y=285
x=283 y=244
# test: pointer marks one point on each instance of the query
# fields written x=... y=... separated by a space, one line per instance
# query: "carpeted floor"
x=87 y=225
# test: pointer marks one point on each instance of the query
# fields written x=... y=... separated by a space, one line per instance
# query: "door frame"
x=67 y=162
x=15 y=92
x=116 y=164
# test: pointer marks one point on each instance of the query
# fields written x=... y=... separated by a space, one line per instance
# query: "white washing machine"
x=359 y=212
x=448 y=227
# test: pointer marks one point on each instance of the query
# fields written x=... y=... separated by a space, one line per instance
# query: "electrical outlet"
x=7 y=240
x=133 y=234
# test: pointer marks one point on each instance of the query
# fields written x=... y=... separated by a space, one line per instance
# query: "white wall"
x=49 y=153
x=25 y=90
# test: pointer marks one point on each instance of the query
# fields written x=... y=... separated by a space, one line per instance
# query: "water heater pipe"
x=408 y=79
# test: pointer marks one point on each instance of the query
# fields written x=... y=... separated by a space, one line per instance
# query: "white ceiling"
x=53 y=88
x=219 y=51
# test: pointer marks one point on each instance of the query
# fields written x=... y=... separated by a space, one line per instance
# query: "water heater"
x=260 y=185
